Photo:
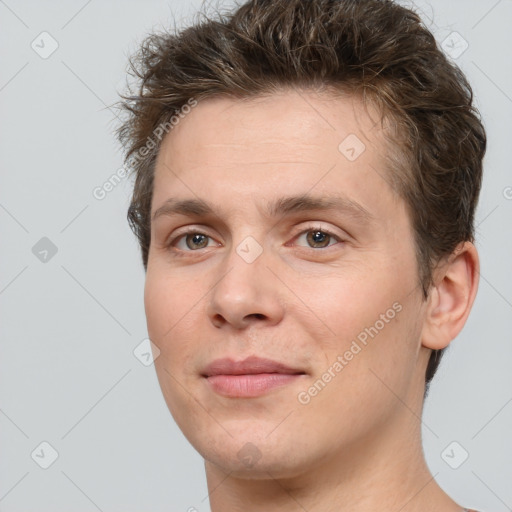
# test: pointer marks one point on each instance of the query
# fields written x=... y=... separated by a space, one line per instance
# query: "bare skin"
x=319 y=278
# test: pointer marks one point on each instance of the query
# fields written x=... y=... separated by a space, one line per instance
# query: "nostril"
x=258 y=316
x=218 y=320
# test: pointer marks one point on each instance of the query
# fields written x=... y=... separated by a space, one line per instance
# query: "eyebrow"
x=281 y=206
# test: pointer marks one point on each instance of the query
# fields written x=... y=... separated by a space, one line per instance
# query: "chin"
x=251 y=463
x=252 y=453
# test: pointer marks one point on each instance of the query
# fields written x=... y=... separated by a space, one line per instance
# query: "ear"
x=452 y=296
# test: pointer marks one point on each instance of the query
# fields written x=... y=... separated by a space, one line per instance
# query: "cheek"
x=372 y=366
x=158 y=301
x=350 y=301
x=170 y=316
x=171 y=309
x=372 y=318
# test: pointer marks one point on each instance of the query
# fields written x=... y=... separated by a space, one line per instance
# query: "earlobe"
x=451 y=298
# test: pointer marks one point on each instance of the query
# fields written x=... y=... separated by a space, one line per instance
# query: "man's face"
x=288 y=313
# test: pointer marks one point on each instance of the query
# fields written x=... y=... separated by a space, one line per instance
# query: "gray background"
x=70 y=324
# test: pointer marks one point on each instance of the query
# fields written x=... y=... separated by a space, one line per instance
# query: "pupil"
x=196 y=240
x=318 y=238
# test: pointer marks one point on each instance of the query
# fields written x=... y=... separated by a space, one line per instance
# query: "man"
x=307 y=173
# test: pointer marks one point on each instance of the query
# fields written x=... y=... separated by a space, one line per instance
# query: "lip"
x=251 y=377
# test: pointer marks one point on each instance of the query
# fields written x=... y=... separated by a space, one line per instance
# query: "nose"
x=246 y=293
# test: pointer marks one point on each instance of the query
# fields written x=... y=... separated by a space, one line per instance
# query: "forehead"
x=291 y=121
x=296 y=141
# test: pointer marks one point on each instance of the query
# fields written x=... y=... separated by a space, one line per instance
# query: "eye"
x=318 y=238
x=192 y=241
x=314 y=238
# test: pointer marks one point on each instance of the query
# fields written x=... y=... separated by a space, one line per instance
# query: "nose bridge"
x=244 y=269
x=247 y=289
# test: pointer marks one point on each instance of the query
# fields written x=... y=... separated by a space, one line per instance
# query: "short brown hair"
x=374 y=48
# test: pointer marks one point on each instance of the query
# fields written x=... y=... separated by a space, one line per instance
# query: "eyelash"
x=181 y=252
